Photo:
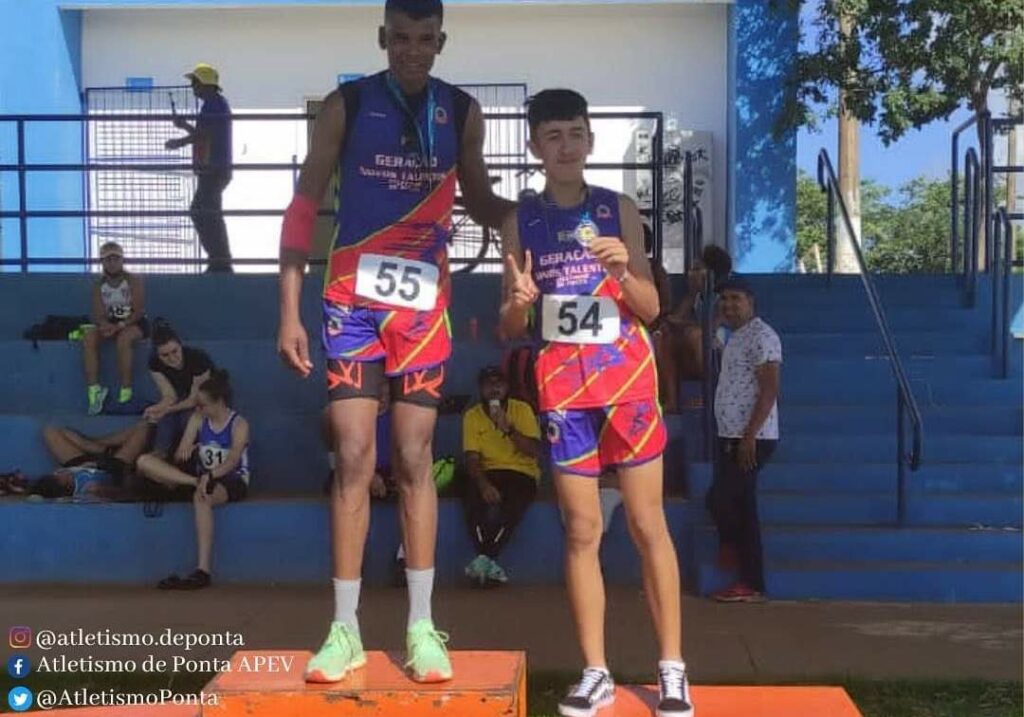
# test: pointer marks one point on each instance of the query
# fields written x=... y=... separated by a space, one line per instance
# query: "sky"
x=924 y=152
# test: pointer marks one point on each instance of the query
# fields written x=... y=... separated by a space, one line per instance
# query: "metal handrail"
x=905 y=401
x=954 y=189
x=972 y=192
x=693 y=241
x=22 y=168
x=1002 y=231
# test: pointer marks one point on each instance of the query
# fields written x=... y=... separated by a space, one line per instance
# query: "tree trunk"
x=849 y=176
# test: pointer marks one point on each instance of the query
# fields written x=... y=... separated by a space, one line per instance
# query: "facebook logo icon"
x=18 y=667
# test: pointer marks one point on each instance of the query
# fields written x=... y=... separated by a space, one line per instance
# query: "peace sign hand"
x=522 y=292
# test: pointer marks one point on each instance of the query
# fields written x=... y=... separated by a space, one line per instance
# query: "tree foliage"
x=904 y=232
x=907 y=62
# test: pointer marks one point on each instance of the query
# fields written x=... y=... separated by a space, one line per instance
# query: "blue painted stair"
x=827 y=498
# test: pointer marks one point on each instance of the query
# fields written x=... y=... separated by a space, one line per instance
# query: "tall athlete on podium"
x=399 y=140
x=579 y=251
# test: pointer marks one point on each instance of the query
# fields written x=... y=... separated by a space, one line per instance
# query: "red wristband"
x=298 y=225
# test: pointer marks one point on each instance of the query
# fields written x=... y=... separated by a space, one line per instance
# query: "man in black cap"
x=501 y=440
x=748 y=430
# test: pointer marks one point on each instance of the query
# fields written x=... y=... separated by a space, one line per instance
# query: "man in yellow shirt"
x=501 y=440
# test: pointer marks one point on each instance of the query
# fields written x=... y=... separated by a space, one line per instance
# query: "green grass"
x=875 y=698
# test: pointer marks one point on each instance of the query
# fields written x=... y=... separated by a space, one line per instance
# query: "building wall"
x=669 y=58
x=720 y=66
x=40 y=70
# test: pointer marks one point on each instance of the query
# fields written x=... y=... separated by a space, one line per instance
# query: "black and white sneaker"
x=596 y=689
x=674 y=691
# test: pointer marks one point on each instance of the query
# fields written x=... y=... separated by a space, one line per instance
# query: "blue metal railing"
x=972 y=224
x=906 y=404
x=693 y=244
x=22 y=168
x=1003 y=262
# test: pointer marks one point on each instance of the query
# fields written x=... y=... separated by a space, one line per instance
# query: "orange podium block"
x=640 y=701
x=486 y=684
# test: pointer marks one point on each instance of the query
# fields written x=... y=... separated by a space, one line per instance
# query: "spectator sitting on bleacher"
x=115 y=453
x=118 y=312
x=177 y=371
x=80 y=483
x=212 y=459
x=92 y=468
x=501 y=441
x=680 y=351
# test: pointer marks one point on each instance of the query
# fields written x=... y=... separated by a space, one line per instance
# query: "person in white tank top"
x=118 y=314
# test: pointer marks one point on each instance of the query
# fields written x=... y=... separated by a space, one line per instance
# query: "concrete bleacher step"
x=50 y=379
x=796 y=319
x=903 y=581
x=946 y=390
x=732 y=701
x=877 y=448
x=950 y=478
x=909 y=343
x=923 y=509
x=277 y=541
x=979 y=582
x=250 y=308
x=485 y=684
x=881 y=418
x=793 y=543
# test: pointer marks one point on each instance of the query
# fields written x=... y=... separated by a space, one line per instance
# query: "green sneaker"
x=478 y=568
x=125 y=394
x=427 y=656
x=341 y=653
x=97 y=396
x=496 y=574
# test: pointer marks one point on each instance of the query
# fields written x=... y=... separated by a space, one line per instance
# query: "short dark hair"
x=555 y=105
x=490 y=372
x=416 y=9
x=736 y=284
x=163 y=333
x=717 y=260
x=218 y=386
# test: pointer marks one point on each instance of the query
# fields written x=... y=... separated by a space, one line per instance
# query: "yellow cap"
x=205 y=75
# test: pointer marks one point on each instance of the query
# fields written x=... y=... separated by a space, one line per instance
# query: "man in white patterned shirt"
x=747 y=414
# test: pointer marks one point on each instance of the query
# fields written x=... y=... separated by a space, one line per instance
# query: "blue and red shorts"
x=587 y=441
x=366 y=346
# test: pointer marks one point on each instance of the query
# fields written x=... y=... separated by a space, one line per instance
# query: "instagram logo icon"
x=21 y=638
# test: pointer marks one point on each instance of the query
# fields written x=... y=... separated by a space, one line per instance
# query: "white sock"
x=346 y=602
x=672 y=663
x=421 y=585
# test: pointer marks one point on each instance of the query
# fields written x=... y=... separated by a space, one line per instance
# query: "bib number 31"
x=397 y=282
x=579 y=319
